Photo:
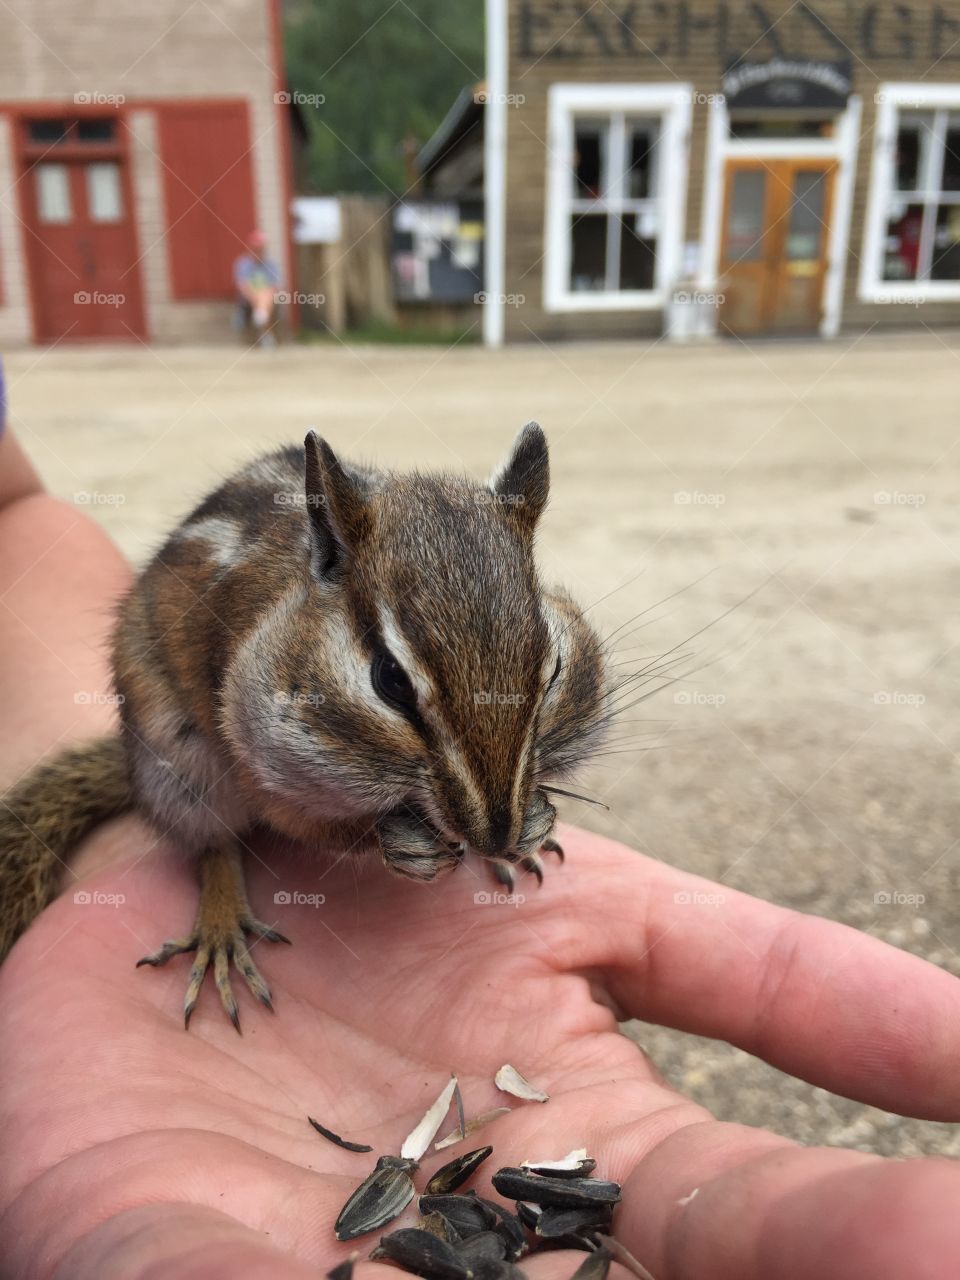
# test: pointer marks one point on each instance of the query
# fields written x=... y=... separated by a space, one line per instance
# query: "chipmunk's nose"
x=494 y=837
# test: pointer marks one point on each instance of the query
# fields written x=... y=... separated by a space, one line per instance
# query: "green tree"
x=389 y=70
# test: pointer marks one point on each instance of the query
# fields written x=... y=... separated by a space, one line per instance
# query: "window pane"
x=53 y=192
x=745 y=226
x=914 y=136
x=590 y=139
x=805 y=230
x=95 y=130
x=47 y=130
x=638 y=254
x=946 y=244
x=903 y=243
x=774 y=127
x=103 y=192
x=588 y=257
x=641 y=141
x=951 y=160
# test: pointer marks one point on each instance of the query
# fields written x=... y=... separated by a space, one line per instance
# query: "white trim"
x=495 y=173
x=842 y=148
x=674 y=103
x=891 y=97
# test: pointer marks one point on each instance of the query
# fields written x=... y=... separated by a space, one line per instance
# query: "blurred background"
x=714 y=249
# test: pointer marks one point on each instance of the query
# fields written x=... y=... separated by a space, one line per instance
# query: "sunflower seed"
x=510 y=1228
x=509 y=1080
x=332 y=1137
x=594 y=1267
x=343 y=1270
x=466 y=1213
x=479 y=1122
x=555 y=1224
x=456 y=1173
x=486 y=1245
x=438 y=1226
x=529 y=1214
x=382 y=1196
x=488 y=1269
x=555 y=1193
x=576 y=1165
x=423 y=1254
x=424 y=1133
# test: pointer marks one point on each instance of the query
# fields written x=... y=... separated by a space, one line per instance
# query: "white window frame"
x=892 y=98
x=673 y=103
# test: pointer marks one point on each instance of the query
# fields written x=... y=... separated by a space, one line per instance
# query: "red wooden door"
x=82 y=253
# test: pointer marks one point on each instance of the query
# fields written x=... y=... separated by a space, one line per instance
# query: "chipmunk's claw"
x=532 y=862
x=550 y=846
x=503 y=873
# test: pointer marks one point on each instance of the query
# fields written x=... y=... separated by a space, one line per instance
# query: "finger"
x=723 y=1202
x=177 y=1242
x=825 y=1002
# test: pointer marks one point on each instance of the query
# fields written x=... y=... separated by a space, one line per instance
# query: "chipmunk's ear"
x=336 y=502
x=522 y=483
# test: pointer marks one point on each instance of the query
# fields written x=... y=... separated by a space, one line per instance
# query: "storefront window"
x=616 y=186
x=916 y=196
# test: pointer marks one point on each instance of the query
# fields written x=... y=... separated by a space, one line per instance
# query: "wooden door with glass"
x=775 y=245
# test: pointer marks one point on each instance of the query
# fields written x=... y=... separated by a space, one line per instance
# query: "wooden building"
x=139 y=146
x=784 y=167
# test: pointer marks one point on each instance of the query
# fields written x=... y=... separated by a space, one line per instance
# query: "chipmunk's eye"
x=556 y=672
x=391 y=682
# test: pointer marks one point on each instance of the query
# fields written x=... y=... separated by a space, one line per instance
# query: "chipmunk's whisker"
x=572 y=795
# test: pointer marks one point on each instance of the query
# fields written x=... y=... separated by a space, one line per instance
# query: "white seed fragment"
x=417 y=1142
x=572 y=1161
x=687 y=1199
x=478 y=1122
x=509 y=1080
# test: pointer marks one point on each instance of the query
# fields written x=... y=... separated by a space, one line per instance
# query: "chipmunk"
x=354 y=659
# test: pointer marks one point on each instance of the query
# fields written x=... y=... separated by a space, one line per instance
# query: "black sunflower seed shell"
x=335 y=1137
x=484 y=1246
x=555 y=1193
x=467 y=1214
x=509 y=1227
x=582 y=1170
x=553 y=1224
x=423 y=1254
x=437 y=1225
x=529 y=1214
x=382 y=1196
x=343 y=1270
x=488 y=1269
x=457 y=1172
x=595 y=1266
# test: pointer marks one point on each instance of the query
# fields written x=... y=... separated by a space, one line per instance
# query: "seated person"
x=257 y=279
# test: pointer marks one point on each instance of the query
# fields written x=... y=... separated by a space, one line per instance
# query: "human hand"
x=134 y=1149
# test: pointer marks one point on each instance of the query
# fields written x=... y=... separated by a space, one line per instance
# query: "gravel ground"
x=782 y=520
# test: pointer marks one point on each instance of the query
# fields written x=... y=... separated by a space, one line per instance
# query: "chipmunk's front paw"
x=412 y=847
x=219 y=936
x=504 y=872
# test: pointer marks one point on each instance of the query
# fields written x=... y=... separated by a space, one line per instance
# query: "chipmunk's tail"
x=45 y=815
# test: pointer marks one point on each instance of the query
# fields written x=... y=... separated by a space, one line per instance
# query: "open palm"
x=134 y=1149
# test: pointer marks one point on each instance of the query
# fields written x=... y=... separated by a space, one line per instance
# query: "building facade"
x=786 y=167
x=139 y=145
